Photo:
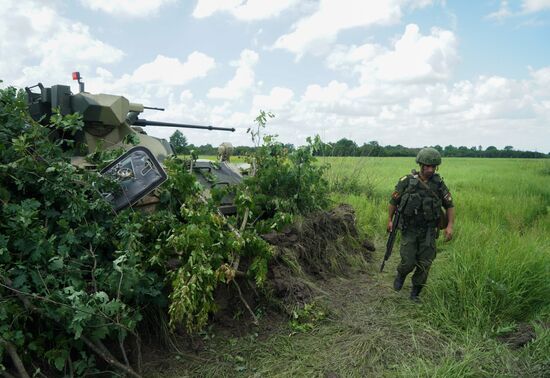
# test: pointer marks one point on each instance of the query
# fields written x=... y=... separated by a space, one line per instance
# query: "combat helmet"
x=428 y=156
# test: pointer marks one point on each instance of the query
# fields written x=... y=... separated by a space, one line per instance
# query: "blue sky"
x=410 y=72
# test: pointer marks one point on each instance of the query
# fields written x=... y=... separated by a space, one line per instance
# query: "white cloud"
x=494 y=88
x=531 y=6
x=527 y=7
x=186 y=95
x=542 y=74
x=155 y=83
x=206 y=8
x=502 y=13
x=244 y=10
x=126 y=8
x=396 y=92
x=489 y=110
x=416 y=4
x=416 y=57
x=242 y=81
x=103 y=73
x=346 y=58
x=170 y=71
x=314 y=33
x=184 y=108
x=277 y=99
x=44 y=46
x=334 y=92
x=73 y=42
x=420 y=105
x=413 y=58
x=389 y=112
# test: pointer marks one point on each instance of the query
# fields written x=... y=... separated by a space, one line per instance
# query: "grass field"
x=493 y=278
x=496 y=271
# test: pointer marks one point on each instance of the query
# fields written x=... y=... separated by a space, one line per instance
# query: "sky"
x=409 y=72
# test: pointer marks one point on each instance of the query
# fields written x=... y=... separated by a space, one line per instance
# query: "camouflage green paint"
x=417 y=251
x=420 y=216
x=428 y=156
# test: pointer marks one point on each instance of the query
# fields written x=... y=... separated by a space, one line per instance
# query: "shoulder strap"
x=413 y=180
x=429 y=189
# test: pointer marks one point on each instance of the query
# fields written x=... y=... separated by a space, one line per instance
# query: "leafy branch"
x=77 y=276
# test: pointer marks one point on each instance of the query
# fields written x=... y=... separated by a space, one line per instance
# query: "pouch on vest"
x=413 y=205
x=428 y=209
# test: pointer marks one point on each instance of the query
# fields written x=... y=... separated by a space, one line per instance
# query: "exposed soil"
x=520 y=337
x=314 y=249
x=303 y=252
x=359 y=330
x=368 y=330
x=311 y=251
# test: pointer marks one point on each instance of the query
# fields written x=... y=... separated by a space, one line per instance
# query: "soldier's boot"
x=415 y=293
x=398 y=282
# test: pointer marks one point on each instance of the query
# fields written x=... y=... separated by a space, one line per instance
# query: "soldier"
x=224 y=151
x=420 y=196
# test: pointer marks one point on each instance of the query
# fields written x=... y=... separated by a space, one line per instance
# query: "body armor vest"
x=421 y=206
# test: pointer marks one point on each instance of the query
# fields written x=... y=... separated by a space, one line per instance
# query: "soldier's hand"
x=389 y=228
x=448 y=233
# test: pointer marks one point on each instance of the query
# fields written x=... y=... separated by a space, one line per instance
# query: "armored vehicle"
x=112 y=122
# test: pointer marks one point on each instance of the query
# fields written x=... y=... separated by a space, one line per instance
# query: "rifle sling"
x=427 y=187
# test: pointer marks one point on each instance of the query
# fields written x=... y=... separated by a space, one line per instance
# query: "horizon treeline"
x=347 y=147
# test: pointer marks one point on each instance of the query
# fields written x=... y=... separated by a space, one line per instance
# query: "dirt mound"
x=322 y=225
x=322 y=245
x=317 y=247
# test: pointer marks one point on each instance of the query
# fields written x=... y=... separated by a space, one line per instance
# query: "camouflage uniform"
x=420 y=216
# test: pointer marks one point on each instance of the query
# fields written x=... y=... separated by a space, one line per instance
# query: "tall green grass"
x=489 y=279
x=492 y=276
x=497 y=269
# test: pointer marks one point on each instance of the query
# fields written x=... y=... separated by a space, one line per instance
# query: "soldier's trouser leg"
x=424 y=257
x=408 y=253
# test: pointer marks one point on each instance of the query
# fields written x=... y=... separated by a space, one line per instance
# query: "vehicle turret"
x=112 y=122
x=109 y=120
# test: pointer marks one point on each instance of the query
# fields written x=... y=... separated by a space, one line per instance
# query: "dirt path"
x=368 y=331
x=353 y=324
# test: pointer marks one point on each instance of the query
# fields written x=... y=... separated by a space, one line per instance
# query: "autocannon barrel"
x=144 y=122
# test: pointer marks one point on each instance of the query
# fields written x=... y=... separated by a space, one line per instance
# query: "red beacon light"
x=77 y=77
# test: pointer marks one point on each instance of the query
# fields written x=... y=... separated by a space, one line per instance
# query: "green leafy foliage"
x=58 y=282
x=286 y=182
x=75 y=275
x=306 y=318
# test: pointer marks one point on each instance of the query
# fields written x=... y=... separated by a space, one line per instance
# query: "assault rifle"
x=391 y=237
x=393 y=234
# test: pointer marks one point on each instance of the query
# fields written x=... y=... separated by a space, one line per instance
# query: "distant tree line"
x=180 y=146
x=347 y=147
